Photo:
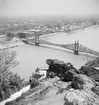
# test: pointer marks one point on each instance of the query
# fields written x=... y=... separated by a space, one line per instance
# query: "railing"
x=6 y=94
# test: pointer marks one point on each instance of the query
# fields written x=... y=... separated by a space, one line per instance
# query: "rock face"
x=90 y=71
x=83 y=88
x=63 y=70
x=67 y=86
x=81 y=92
x=93 y=63
x=83 y=82
x=96 y=90
x=80 y=97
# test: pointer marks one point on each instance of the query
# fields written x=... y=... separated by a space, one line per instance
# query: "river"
x=30 y=56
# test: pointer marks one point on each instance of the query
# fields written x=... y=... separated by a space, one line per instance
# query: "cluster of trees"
x=10 y=36
x=7 y=78
x=34 y=80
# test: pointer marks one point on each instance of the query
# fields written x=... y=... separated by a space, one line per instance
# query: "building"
x=42 y=71
x=2 y=38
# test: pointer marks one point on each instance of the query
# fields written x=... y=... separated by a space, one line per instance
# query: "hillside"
x=80 y=88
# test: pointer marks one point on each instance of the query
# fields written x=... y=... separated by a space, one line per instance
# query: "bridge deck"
x=74 y=47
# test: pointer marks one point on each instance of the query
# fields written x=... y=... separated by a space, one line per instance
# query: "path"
x=16 y=95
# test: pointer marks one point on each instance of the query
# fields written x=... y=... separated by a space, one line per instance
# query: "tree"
x=7 y=61
x=15 y=80
x=10 y=36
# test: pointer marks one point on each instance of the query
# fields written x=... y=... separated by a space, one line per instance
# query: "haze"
x=27 y=8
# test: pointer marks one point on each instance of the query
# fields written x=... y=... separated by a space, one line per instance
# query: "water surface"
x=30 y=57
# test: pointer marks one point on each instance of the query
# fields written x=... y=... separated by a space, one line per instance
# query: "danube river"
x=30 y=56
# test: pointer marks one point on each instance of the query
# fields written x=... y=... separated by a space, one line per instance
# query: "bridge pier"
x=76 y=52
x=36 y=43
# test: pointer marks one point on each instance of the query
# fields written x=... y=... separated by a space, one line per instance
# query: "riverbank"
x=11 y=45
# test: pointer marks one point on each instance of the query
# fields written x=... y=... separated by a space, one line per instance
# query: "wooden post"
x=3 y=95
x=24 y=84
x=10 y=91
x=15 y=88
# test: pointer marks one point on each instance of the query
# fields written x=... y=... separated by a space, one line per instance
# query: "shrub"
x=20 y=98
x=34 y=83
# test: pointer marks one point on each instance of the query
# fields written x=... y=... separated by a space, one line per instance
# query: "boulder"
x=90 y=71
x=61 y=69
x=80 y=97
x=59 y=64
x=81 y=81
x=96 y=90
x=49 y=61
x=83 y=91
x=68 y=76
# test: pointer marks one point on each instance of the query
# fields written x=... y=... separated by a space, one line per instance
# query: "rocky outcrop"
x=81 y=92
x=96 y=90
x=91 y=69
x=82 y=88
x=90 y=72
x=80 y=97
x=68 y=76
x=93 y=63
x=83 y=82
x=67 y=85
x=61 y=64
x=63 y=70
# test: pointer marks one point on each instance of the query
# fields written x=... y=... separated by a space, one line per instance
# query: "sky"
x=29 y=8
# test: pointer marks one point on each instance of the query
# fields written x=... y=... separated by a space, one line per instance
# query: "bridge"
x=76 y=47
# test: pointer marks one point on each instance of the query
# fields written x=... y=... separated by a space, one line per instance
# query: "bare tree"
x=7 y=61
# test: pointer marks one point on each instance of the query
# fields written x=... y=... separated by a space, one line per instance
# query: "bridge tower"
x=76 y=46
x=36 y=39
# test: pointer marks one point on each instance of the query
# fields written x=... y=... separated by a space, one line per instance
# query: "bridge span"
x=76 y=47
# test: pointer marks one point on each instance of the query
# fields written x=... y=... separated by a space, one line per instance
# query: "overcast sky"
x=17 y=8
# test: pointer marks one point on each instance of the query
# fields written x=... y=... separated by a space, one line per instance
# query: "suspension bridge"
x=75 y=47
